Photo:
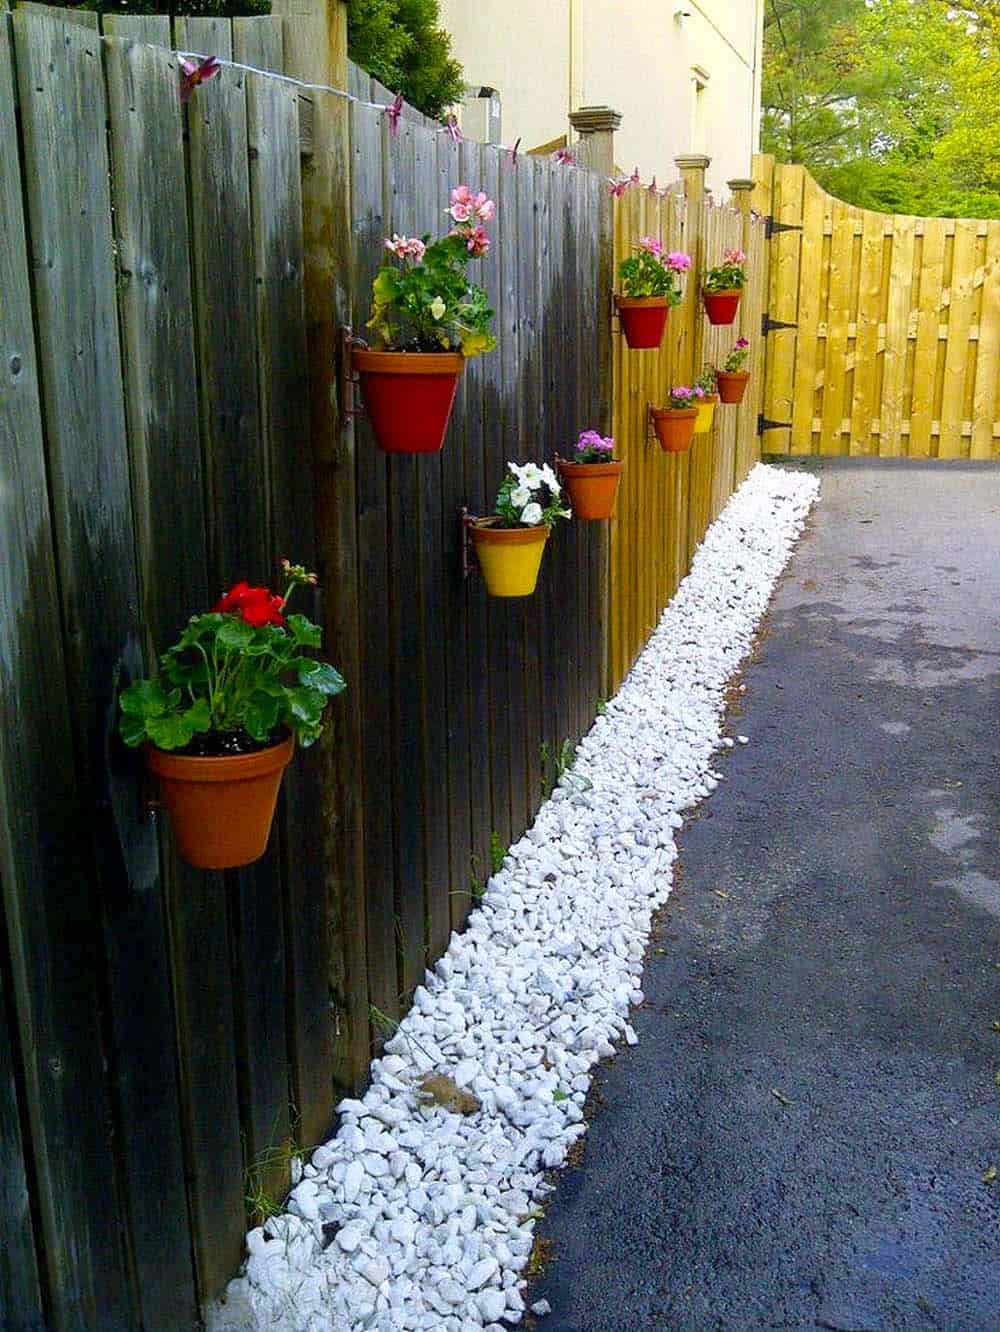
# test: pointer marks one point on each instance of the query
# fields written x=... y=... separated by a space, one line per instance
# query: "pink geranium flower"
x=678 y=261
x=651 y=245
x=477 y=242
x=406 y=247
x=734 y=257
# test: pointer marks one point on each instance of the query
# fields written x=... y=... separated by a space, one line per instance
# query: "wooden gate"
x=883 y=330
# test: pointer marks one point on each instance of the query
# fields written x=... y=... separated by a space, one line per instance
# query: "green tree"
x=892 y=104
x=402 y=43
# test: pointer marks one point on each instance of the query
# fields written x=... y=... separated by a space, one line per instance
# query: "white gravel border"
x=433 y=1212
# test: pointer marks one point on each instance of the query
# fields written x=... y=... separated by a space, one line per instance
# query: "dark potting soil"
x=223 y=744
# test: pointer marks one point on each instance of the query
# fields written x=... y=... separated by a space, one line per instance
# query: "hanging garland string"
x=196 y=70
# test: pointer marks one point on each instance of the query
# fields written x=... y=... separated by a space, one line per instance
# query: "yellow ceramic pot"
x=510 y=558
x=706 y=414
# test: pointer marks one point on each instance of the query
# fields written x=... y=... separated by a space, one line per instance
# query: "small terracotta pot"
x=674 y=427
x=732 y=384
x=592 y=487
x=408 y=396
x=510 y=557
x=721 y=306
x=221 y=809
x=643 y=319
x=706 y=414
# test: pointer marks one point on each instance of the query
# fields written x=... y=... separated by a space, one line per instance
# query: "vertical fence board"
x=294 y=1035
x=158 y=361
x=497 y=450
x=896 y=329
x=237 y=517
x=34 y=736
x=479 y=163
x=959 y=361
x=445 y=750
x=983 y=445
x=838 y=312
x=455 y=164
x=432 y=187
x=259 y=41
x=153 y=29
x=63 y=117
x=369 y=202
x=807 y=350
x=925 y=360
x=328 y=270
x=407 y=159
x=863 y=405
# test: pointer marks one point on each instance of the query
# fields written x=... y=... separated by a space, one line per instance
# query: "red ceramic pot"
x=643 y=319
x=721 y=306
x=408 y=396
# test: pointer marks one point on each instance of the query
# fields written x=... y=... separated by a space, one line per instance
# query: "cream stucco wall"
x=549 y=57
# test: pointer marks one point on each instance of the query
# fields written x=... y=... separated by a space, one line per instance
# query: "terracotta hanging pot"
x=509 y=557
x=674 y=427
x=732 y=384
x=721 y=306
x=592 y=487
x=706 y=414
x=408 y=396
x=221 y=809
x=643 y=319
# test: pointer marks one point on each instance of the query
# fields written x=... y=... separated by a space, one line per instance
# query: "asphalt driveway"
x=804 y=1135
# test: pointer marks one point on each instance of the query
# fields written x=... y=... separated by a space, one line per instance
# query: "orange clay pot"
x=221 y=809
x=408 y=396
x=674 y=427
x=732 y=384
x=592 y=487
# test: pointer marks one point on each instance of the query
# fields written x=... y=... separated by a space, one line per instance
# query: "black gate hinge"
x=772 y=227
x=764 y=423
x=767 y=324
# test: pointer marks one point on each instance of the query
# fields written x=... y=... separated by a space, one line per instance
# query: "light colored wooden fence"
x=896 y=327
x=667 y=501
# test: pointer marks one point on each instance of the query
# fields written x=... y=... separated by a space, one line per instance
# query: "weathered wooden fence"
x=892 y=327
x=172 y=282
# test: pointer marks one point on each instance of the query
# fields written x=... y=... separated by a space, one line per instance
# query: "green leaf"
x=322 y=676
x=307 y=734
x=199 y=715
x=306 y=704
x=261 y=715
x=560 y=1095
x=306 y=633
x=169 y=732
x=144 y=698
x=132 y=729
x=234 y=635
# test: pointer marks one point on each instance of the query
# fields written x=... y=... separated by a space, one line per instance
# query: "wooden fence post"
x=741 y=189
x=596 y=126
x=315 y=40
x=692 y=167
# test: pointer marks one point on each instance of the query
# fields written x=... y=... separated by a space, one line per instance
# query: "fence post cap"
x=692 y=162
x=741 y=183
x=595 y=119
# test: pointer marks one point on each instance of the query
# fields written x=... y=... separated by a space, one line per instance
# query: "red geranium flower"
x=256 y=605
